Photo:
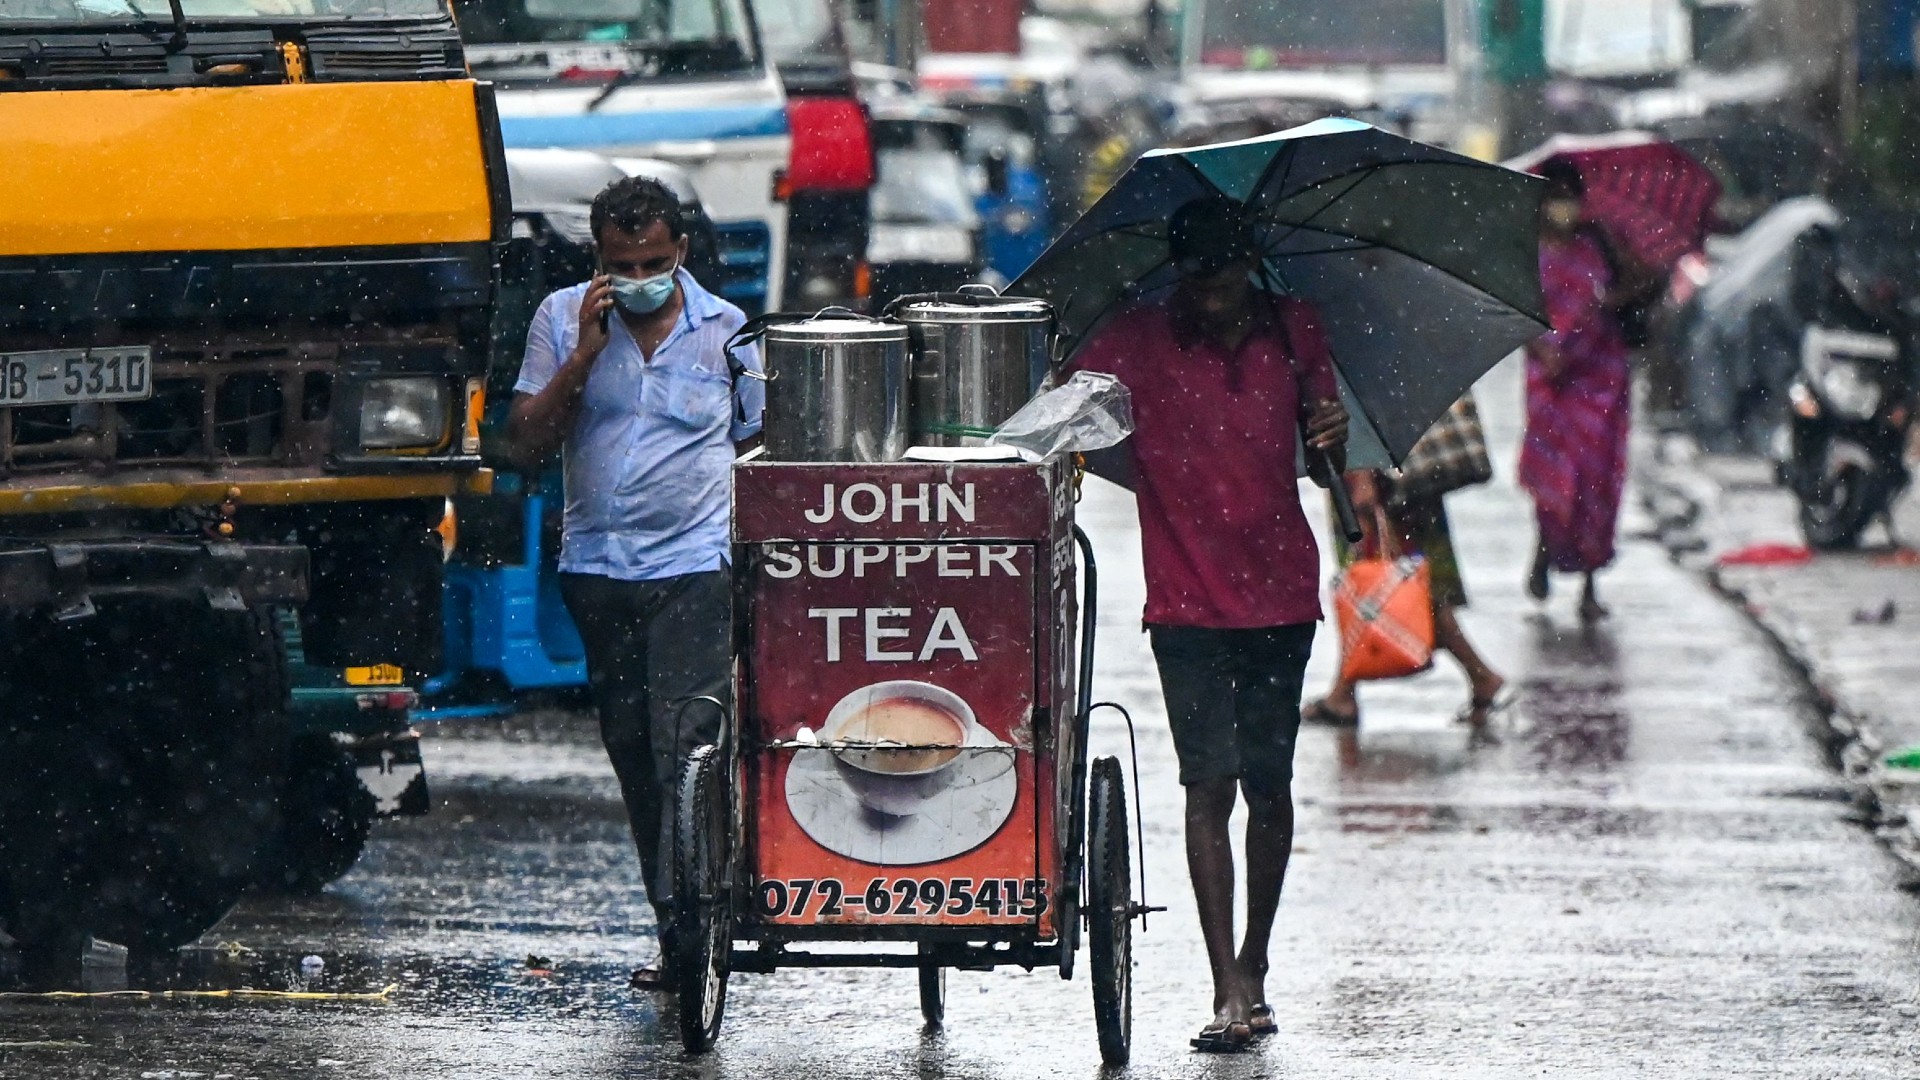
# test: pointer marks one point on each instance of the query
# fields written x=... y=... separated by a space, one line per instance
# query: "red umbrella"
x=1653 y=197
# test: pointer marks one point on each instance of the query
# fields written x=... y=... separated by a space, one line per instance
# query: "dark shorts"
x=1233 y=701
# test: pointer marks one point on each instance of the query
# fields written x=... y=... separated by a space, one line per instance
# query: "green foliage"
x=1885 y=142
x=1516 y=40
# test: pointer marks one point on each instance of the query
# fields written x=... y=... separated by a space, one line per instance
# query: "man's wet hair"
x=632 y=204
x=1210 y=233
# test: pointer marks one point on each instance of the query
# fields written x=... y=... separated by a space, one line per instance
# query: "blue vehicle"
x=507 y=630
x=1016 y=223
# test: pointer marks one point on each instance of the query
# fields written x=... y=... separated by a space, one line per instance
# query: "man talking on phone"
x=626 y=376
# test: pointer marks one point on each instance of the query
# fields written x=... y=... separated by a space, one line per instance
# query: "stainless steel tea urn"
x=837 y=390
x=976 y=360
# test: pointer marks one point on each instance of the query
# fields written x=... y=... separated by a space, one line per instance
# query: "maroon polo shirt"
x=1224 y=538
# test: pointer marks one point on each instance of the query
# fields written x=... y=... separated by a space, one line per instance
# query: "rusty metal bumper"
x=65 y=578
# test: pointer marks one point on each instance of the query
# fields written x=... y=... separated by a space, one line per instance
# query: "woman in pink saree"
x=1574 y=458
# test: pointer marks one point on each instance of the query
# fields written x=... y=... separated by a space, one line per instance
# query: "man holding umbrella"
x=1222 y=375
x=1393 y=275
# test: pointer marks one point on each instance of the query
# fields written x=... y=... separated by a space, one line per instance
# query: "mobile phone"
x=606 y=313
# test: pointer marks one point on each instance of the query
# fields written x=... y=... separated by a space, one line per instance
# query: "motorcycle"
x=1850 y=408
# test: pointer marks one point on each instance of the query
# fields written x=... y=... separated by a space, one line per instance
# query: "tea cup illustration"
x=896 y=743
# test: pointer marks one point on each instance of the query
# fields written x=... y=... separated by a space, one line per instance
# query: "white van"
x=684 y=81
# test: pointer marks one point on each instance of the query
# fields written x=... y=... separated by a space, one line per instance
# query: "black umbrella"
x=1424 y=264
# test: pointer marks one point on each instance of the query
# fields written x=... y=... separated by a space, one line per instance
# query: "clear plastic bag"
x=1090 y=411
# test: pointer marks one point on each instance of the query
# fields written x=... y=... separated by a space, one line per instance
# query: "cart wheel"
x=1109 y=912
x=702 y=917
x=933 y=992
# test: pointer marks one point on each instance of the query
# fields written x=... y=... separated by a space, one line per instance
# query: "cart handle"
x=1089 y=615
x=1089 y=605
x=723 y=740
x=1084 y=720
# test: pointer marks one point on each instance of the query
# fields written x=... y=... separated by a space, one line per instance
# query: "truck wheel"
x=141 y=765
x=325 y=818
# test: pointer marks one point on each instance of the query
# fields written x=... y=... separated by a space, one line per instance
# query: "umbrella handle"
x=1343 y=509
x=1320 y=467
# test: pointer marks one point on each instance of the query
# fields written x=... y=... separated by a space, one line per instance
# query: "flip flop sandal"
x=1234 y=1038
x=1263 y=1023
x=1491 y=707
x=1318 y=711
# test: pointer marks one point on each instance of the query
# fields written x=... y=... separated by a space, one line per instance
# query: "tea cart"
x=904 y=772
x=906 y=765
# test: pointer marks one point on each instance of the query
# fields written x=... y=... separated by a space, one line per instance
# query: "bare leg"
x=1538 y=584
x=1591 y=609
x=1447 y=634
x=1341 y=696
x=1340 y=705
x=1269 y=843
x=1210 y=864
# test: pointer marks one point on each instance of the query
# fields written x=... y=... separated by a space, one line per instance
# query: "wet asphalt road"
x=1651 y=872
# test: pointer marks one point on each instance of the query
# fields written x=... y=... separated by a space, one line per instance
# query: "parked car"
x=831 y=171
x=1011 y=193
x=688 y=82
x=926 y=229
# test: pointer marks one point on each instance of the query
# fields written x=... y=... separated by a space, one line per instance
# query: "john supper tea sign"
x=908 y=650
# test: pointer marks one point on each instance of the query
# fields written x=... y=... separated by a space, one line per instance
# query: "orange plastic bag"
x=1384 y=607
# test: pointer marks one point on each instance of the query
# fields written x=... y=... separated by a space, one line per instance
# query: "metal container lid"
x=999 y=309
x=822 y=330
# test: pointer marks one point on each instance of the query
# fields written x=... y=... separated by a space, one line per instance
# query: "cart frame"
x=713 y=932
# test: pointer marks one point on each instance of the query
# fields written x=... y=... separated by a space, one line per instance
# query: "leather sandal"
x=1487 y=708
x=1224 y=1038
x=1318 y=711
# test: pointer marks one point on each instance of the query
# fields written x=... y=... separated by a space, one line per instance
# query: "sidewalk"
x=1849 y=620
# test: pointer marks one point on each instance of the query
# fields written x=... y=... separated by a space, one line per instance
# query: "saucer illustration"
x=976 y=797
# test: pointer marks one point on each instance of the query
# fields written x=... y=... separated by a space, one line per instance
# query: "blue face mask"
x=643 y=296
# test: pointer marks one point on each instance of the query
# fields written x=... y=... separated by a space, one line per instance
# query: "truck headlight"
x=407 y=412
x=1851 y=393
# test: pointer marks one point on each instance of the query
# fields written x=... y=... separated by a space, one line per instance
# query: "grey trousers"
x=652 y=648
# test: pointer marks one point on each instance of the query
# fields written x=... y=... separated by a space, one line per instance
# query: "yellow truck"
x=248 y=252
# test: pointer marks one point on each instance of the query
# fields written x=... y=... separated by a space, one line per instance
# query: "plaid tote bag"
x=1450 y=456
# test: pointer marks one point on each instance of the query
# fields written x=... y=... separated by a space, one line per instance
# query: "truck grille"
x=259 y=407
x=423 y=53
x=113 y=57
x=67 y=67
